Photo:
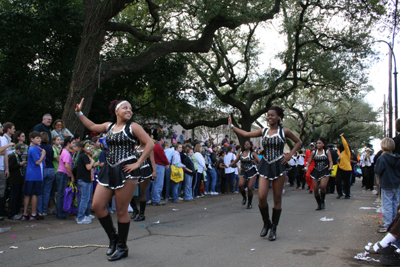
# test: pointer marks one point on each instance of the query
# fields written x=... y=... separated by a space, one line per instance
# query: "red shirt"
x=306 y=158
x=159 y=155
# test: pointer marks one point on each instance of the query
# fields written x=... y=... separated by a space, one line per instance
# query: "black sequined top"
x=121 y=145
x=321 y=161
x=247 y=162
x=273 y=145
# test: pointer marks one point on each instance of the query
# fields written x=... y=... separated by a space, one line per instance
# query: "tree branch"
x=123 y=27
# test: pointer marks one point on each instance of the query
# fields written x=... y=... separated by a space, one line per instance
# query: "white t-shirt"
x=229 y=157
x=3 y=142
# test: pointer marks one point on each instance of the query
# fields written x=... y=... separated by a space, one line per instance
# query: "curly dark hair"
x=111 y=108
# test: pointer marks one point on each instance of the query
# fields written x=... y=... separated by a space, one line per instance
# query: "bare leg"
x=123 y=197
x=27 y=198
x=316 y=187
x=34 y=200
x=101 y=197
x=142 y=189
x=250 y=186
x=277 y=190
x=263 y=188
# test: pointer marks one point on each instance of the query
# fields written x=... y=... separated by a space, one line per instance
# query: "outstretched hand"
x=78 y=107
x=341 y=135
x=229 y=120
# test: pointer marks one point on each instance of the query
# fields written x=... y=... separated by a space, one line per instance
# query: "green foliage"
x=38 y=44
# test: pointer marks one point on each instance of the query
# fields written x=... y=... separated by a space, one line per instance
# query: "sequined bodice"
x=273 y=145
x=246 y=162
x=321 y=161
x=120 y=147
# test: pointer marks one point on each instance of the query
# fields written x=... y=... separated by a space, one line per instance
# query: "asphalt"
x=211 y=231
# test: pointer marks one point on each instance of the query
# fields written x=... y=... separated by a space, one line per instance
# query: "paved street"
x=213 y=231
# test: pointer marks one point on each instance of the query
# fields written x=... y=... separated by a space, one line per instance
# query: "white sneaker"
x=148 y=202
x=43 y=214
x=91 y=216
x=214 y=193
x=179 y=198
x=85 y=220
x=206 y=193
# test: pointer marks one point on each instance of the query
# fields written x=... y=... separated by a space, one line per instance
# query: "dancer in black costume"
x=321 y=172
x=249 y=172
x=120 y=173
x=147 y=170
x=272 y=165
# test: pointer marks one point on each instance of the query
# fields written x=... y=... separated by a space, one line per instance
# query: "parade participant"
x=272 y=165
x=321 y=172
x=147 y=170
x=310 y=168
x=120 y=173
x=249 y=172
x=300 y=170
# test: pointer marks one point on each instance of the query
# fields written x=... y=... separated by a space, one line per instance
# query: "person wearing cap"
x=225 y=140
x=332 y=180
x=173 y=140
x=310 y=168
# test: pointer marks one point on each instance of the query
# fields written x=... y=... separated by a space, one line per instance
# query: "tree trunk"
x=84 y=78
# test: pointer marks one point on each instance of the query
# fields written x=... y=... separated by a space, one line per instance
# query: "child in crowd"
x=387 y=167
x=85 y=178
x=34 y=176
x=15 y=181
x=48 y=175
x=64 y=173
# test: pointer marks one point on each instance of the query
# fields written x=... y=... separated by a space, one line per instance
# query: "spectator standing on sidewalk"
x=44 y=126
x=162 y=164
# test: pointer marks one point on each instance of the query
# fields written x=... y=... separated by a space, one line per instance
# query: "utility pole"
x=384 y=115
x=390 y=94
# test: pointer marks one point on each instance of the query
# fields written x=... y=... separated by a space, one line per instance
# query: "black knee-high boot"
x=276 y=214
x=318 y=199
x=323 y=201
x=122 y=248
x=244 y=197
x=134 y=207
x=141 y=216
x=249 y=201
x=267 y=222
x=108 y=226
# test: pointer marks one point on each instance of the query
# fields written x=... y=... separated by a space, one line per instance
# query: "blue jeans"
x=390 y=200
x=212 y=178
x=188 y=187
x=158 y=184
x=48 y=180
x=85 y=190
x=237 y=183
x=62 y=183
x=175 y=190
x=168 y=183
x=207 y=183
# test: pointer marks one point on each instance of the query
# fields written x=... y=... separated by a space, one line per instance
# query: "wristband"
x=78 y=114
x=231 y=126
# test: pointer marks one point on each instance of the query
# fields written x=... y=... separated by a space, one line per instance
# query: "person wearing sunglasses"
x=60 y=130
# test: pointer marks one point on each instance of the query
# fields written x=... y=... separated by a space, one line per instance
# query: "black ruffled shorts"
x=115 y=177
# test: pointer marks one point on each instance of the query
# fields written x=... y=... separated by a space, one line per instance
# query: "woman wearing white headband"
x=120 y=173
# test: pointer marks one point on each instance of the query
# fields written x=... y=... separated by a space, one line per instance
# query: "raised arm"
x=242 y=132
x=98 y=128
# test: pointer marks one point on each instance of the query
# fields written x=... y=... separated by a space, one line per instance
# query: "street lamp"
x=390 y=91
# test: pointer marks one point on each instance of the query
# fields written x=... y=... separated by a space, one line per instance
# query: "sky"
x=273 y=43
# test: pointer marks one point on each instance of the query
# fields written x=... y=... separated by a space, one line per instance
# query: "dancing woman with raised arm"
x=272 y=165
x=321 y=172
x=249 y=172
x=120 y=173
